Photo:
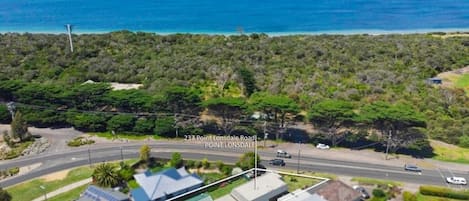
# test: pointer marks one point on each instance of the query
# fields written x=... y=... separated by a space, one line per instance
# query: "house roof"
x=266 y=184
x=165 y=182
x=301 y=195
x=102 y=194
x=338 y=191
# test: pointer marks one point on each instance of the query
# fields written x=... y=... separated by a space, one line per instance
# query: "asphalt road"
x=60 y=161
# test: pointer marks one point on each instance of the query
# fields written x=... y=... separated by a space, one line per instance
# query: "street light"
x=44 y=191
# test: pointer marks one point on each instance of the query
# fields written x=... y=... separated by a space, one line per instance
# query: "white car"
x=322 y=146
x=456 y=180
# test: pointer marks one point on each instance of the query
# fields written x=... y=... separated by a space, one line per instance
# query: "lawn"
x=371 y=182
x=295 y=182
x=225 y=190
x=450 y=153
x=70 y=195
x=463 y=81
x=30 y=190
x=127 y=136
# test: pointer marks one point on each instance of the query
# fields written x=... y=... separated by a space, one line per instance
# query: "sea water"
x=228 y=16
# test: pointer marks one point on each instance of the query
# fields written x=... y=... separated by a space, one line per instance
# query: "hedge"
x=408 y=196
x=444 y=192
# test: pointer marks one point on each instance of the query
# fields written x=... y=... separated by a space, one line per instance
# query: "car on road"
x=283 y=154
x=456 y=180
x=277 y=162
x=322 y=146
x=413 y=168
x=364 y=194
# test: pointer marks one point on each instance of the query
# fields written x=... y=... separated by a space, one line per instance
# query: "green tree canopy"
x=19 y=127
x=229 y=109
x=145 y=152
x=247 y=161
x=176 y=160
x=4 y=195
x=105 y=175
x=330 y=115
x=121 y=122
x=183 y=100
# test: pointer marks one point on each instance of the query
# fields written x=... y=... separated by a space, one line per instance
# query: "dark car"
x=278 y=162
x=412 y=168
x=365 y=195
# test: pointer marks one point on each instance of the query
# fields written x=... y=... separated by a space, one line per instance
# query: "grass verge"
x=70 y=195
x=371 y=182
x=450 y=153
x=30 y=190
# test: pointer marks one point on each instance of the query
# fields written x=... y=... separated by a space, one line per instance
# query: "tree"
x=126 y=172
x=144 y=125
x=145 y=152
x=87 y=122
x=183 y=100
x=249 y=82
x=399 y=123
x=164 y=126
x=176 y=160
x=105 y=175
x=229 y=109
x=4 y=195
x=247 y=161
x=5 y=116
x=330 y=115
x=277 y=108
x=121 y=122
x=19 y=127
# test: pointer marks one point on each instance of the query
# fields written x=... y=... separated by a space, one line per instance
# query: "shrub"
x=220 y=165
x=13 y=171
x=226 y=170
x=377 y=192
x=205 y=163
x=190 y=163
x=78 y=141
x=408 y=196
x=444 y=192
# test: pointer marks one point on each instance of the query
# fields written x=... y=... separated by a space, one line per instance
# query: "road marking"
x=442 y=176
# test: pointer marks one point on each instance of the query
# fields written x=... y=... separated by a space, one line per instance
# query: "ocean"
x=231 y=17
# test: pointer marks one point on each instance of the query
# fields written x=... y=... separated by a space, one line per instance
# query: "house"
x=94 y=193
x=434 y=80
x=329 y=191
x=337 y=191
x=301 y=195
x=165 y=184
x=268 y=187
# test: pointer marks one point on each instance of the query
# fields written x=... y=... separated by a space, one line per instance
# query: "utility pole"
x=265 y=133
x=299 y=154
x=89 y=157
x=255 y=162
x=122 y=155
x=387 y=144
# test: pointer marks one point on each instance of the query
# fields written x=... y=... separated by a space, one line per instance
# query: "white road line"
x=442 y=176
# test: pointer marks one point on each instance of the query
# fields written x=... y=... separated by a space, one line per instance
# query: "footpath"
x=64 y=189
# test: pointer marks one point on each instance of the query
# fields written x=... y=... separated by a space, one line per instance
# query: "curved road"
x=80 y=156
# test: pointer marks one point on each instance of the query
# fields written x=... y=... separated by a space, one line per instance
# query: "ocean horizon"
x=274 y=17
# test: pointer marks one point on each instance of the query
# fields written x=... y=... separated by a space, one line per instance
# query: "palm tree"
x=105 y=175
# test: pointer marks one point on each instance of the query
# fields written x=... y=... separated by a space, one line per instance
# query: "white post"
x=69 y=30
x=255 y=162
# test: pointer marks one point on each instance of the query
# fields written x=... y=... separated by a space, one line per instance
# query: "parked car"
x=278 y=162
x=456 y=180
x=283 y=154
x=364 y=194
x=322 y=146
x=412 y=168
